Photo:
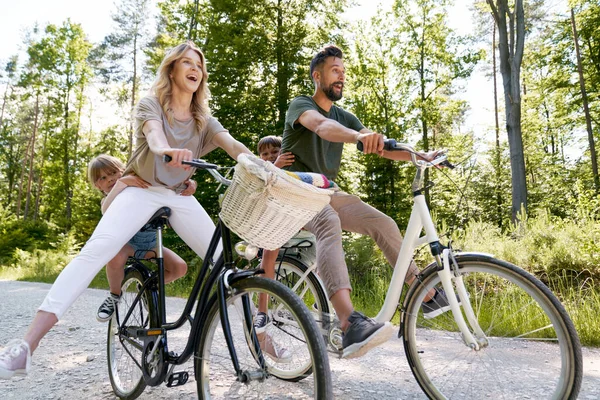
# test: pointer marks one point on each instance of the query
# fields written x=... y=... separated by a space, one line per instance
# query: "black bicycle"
x=232 y=357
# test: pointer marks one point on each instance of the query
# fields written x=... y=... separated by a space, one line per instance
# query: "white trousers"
x=129 y=211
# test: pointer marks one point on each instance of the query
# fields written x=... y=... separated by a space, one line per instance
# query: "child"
x=105 y=174
x=269 y=148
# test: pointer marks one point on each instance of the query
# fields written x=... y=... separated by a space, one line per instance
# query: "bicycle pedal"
x=134 y=331
x=177 y=378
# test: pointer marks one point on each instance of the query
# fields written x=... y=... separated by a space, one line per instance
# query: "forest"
x=527 y=189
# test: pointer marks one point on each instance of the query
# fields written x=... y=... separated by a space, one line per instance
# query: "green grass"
x=45 y=266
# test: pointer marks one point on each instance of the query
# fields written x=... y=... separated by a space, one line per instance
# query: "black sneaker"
x=107 y=308
x=363 y=334
x=437 y=305
x=260 y=322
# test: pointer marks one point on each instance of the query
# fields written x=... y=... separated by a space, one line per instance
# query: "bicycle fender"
x=239 y=275
x=142 y=269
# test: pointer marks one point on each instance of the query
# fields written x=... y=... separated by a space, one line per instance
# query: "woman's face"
x=187 y=72
x=107 y=180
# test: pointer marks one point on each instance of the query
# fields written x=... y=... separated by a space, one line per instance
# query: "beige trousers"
x=349 y=213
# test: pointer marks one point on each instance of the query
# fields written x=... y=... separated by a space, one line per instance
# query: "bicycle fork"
x=447 y=275
x=243 y=375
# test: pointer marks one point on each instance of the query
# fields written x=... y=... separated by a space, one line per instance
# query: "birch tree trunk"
x=586 y=109
x=511 y=43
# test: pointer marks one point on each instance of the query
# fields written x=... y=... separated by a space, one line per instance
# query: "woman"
x=174 y=120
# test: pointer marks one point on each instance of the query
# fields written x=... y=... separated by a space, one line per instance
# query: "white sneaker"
x=15 y=359
x=273 y=350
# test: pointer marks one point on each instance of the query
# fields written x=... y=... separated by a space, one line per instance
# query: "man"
x=315 y=132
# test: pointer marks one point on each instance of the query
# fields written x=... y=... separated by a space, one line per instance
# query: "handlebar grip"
x=388 y=144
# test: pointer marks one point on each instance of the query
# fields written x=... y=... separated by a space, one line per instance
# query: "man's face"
x=332 y=78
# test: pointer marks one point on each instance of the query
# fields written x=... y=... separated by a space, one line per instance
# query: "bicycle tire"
x=289 y=270
x=126 y=376
x=533 y=349
x=214 y=371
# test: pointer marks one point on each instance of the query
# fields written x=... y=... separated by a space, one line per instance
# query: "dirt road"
x=71 y=361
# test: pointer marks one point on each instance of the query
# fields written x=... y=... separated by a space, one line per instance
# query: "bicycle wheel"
x=292 y=273
x=124 y=355
x=533 y=350
x=291 y=346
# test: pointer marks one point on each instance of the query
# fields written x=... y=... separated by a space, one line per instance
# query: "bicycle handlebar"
x=201 y=164
x=392 y=145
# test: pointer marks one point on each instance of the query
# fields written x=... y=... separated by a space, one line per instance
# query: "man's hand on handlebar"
x=372 y=142
x=393 y=150
x=429 y=156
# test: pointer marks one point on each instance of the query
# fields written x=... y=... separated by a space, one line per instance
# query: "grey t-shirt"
x=311 y=152
x=182 y=135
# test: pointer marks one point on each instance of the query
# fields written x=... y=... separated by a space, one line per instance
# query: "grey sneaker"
x=363 y=334
x=107 y=308
x=15 y=359
x=260 y=322
x=437 y=305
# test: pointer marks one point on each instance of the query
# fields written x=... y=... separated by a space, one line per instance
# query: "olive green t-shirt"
x=181 y=135
x=311 y=152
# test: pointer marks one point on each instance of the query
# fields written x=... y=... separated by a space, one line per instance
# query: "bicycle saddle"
x=160 y=218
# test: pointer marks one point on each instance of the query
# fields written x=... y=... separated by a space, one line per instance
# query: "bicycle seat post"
x=161 y=274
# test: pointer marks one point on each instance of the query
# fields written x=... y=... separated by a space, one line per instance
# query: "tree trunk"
x=282 y=79
x=40 y=180
x=133 y=92
x=511 y=43
x=32 y=156
x=499 y=202
x=423 y=117
x=22 y=178
x=66 y=169
x=586 y=110
x=4 y=103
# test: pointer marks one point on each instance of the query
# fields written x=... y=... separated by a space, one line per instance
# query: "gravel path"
x=71 y=361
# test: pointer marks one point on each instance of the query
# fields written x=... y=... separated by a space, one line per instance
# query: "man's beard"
x=331 y=94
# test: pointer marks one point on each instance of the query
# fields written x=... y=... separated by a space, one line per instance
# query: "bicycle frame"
x=222 y=273
x=420 y=220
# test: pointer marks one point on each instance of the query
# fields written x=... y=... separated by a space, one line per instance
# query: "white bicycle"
x=505 y=334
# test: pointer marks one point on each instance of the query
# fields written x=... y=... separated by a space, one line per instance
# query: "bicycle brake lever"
x=447 y=164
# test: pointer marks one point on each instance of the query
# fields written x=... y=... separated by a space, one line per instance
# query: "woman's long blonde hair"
x=163 y=89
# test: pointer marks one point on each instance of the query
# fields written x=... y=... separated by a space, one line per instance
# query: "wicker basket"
x=265 y=206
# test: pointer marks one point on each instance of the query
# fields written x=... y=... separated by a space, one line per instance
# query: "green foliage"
x=544 y=245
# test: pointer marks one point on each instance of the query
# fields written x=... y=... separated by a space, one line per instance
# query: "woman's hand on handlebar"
x=177 y=156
